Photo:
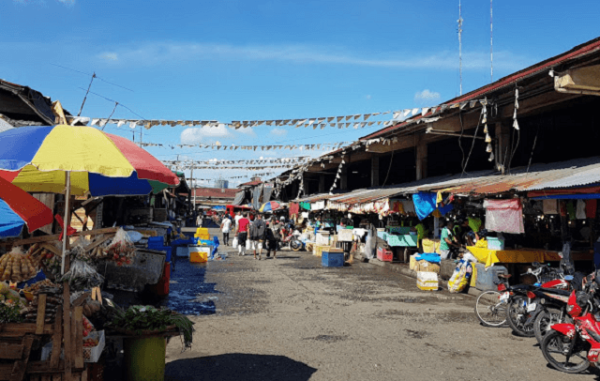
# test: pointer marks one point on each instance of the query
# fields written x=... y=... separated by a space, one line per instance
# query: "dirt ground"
x=292 y=319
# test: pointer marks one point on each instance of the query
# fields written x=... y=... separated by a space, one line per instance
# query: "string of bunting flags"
x=344 y=121
x=294 y=160
x=234 y=147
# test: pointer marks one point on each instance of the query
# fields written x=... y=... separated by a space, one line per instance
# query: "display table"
x=489 y=257
x=404 y=240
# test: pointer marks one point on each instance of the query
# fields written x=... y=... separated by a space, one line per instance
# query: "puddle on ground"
x=188 y=289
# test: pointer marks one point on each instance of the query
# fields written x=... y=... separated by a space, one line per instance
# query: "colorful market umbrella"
x=69 y=159
x=270 y=206
x=36 y=158
x=19 y=208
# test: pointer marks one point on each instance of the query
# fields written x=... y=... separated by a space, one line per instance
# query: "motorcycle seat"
x=504 y=276
x=556 y=291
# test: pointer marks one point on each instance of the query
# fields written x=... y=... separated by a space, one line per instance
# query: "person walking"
x=237 y=219
x=243 y=224
x=273 y=236
x=257 y=235
x=225 y=229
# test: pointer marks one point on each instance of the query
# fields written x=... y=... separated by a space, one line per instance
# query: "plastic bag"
x=234 y=243
x=121 y=250
x=78 y=249
x=460 y=278
x=82 y=276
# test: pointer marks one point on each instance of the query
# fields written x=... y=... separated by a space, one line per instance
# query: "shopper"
x=257 y=235
x=447 y=240
x=243 y=224
x=237 y=219
x=273 y=236
x=225 y=229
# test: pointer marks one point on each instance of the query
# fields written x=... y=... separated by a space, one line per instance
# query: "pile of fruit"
x=53 y=301
x=16 y=267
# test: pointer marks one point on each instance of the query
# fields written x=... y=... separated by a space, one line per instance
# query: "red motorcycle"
x=573 y=347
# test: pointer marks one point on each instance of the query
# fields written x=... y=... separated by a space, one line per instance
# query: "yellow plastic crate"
x=199 y=254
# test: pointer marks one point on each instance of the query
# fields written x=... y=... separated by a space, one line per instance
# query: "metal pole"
x=492 y=40
x=66 y=220
x=460 y=30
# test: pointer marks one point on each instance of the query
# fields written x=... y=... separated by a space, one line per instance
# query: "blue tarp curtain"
x=425 y=204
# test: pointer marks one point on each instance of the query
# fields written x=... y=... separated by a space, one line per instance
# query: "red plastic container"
x=385 y=255
x=162 y=287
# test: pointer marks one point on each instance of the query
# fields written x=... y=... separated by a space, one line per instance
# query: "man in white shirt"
x=238 y=217
x=226 y=228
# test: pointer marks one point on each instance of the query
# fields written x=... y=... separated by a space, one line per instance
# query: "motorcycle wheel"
x=555 y=345
x=296 y=245
x=544 y=321
x=516 y=316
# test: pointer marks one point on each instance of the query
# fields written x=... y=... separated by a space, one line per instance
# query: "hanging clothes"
x=504 y=216
x=474 y=223
x=571 y=210
x=408 y=206
x=294 y=209
x=590 y=208
x=550 y=207
x=396 y=206
x=580 y=212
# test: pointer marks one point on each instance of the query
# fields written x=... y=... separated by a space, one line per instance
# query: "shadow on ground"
x=238 y=367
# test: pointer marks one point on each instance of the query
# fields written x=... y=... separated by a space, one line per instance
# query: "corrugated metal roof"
x=316 y=197
x=572 y=173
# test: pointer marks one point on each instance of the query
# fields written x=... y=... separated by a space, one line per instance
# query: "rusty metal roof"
x=567 y=174
x=572 y=173
x=317 y=197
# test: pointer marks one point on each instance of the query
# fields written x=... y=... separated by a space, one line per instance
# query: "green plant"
x=10 y=314
x=141 y=318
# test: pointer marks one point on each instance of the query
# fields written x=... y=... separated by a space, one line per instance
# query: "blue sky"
x=271 y=59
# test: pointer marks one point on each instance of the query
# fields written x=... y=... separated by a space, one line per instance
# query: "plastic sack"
x=460 y=278
x=82 y=276
x=121 y=250
x=234 y=243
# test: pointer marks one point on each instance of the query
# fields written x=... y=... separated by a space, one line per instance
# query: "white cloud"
x=109 y=56
x=157 y=53
x=67 y=2
x=368 y=96
x=248 y=131
x=427 y=96
x=195 y=135
x=279 y=132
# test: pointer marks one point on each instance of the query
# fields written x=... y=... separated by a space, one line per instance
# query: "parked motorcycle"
x=526 y=304
x=291 y=240
x=573 y=347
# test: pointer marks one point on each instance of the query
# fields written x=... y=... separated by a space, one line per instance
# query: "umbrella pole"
x=66 y=220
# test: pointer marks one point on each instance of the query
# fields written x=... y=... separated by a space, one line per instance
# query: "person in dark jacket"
x=273 y=236
x=257 y=235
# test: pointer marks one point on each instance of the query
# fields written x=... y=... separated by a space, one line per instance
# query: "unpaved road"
x=291 y=319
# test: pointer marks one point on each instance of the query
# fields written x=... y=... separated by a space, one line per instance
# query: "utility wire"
x=86 y=94
x=88 y=74
x=113 y=101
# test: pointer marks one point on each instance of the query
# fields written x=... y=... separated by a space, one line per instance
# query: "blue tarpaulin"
x=425 y=204
x=11 y=224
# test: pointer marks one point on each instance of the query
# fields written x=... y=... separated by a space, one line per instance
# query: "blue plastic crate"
x=156 y=241
x=329 y=259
